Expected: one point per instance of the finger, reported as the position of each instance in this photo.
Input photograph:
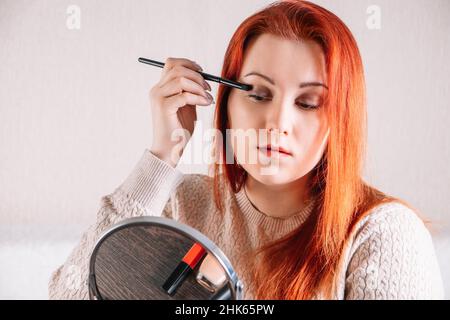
(186, 98)
(180, 84)
(182, 71)
(171, 62)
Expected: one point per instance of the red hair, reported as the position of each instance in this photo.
(305, 261)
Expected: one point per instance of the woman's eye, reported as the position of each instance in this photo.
(302, 105)
(308, 106)
(257, 98)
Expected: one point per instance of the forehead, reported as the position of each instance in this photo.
(285, 61)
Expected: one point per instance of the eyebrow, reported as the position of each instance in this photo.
(302, 85)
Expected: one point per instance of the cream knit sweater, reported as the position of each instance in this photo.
(390, 255)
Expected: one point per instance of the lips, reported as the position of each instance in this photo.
(269, 149)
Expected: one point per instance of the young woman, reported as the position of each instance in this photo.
(311, 230)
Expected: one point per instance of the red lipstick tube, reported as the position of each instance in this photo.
(186, 265)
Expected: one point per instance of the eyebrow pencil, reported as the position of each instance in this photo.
(206, 76)
(184, 268)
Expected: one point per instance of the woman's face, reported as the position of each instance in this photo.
(283, 109)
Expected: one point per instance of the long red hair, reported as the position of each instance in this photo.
(305, 261)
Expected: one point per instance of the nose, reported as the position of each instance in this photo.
(281, 131)
(280, 120)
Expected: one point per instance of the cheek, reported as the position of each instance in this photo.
(312, 135)
(241, 114)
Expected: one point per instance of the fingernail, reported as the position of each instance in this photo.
(206, 86)
(198, 67)
(208, 100)
(210, 97)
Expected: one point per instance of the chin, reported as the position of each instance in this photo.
(271, 177)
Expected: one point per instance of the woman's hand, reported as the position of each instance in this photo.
(173, 100)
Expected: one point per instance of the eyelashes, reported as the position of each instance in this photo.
(256, 97)
(302, 105)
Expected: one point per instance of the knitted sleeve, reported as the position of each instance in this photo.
(392, 257)
(146, 191)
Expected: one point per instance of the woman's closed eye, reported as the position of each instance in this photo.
(257, 97)
(264, 98)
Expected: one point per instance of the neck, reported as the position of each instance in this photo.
(290, 197)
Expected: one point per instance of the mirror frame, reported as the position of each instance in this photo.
(187, 231)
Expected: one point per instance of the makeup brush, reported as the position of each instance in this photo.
(206, 76)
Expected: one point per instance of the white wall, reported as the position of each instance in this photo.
(74, 113)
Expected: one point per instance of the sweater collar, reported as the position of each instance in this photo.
(271, 223)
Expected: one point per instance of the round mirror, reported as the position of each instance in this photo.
(156, 258)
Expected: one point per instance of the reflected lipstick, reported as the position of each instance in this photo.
(186, 265)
